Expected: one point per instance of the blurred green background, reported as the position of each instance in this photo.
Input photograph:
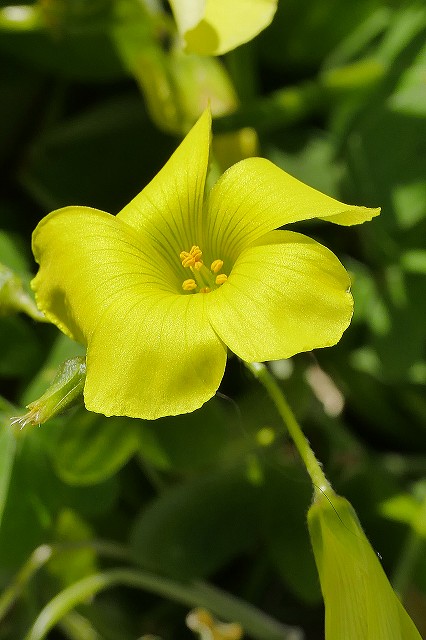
(94, 98)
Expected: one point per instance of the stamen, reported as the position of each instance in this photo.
(220, 279)
(196, 253)
(216, 265)
(191, 258)
(189, 285)
(187, 259)
(204, 280)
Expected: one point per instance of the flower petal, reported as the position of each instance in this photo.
(169, 209)
(89, 258)
(286, 295)
(153, 354)
(213, 27)
(187, 13)
(254, 197)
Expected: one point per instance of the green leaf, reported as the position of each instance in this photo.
(409, 202)
(407, 25)
(28, 509)
(194, 529)
(299, 40)
(410, 94)
(36, 495)
(406, 304)
(189, 441)
(409, 508)
(91, 448)
(314, 163)
(414, 261)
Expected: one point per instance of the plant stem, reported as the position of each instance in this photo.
(42, 555)
(257, 624)
(313, 467)
(76, 627)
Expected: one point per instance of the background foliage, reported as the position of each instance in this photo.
(336, 92)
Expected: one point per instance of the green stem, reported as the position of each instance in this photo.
(313, 467)
(257, 624)
(37, 559)
(42, 555)
(76, 627)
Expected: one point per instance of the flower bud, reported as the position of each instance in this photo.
(176, 86)
(359, 600)
(233, 146)
(65, 391)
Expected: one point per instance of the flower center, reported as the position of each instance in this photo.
(204, 280)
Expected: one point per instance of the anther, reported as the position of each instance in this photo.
(189, 285)
(187, 259)
(220, 279)
(216, 265)
(205, 290)
(196, 253)
(191, 258)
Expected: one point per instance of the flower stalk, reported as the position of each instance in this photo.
(313, 467)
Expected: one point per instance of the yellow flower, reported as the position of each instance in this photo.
(360, 604)
(213, 27)
(158, 292)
